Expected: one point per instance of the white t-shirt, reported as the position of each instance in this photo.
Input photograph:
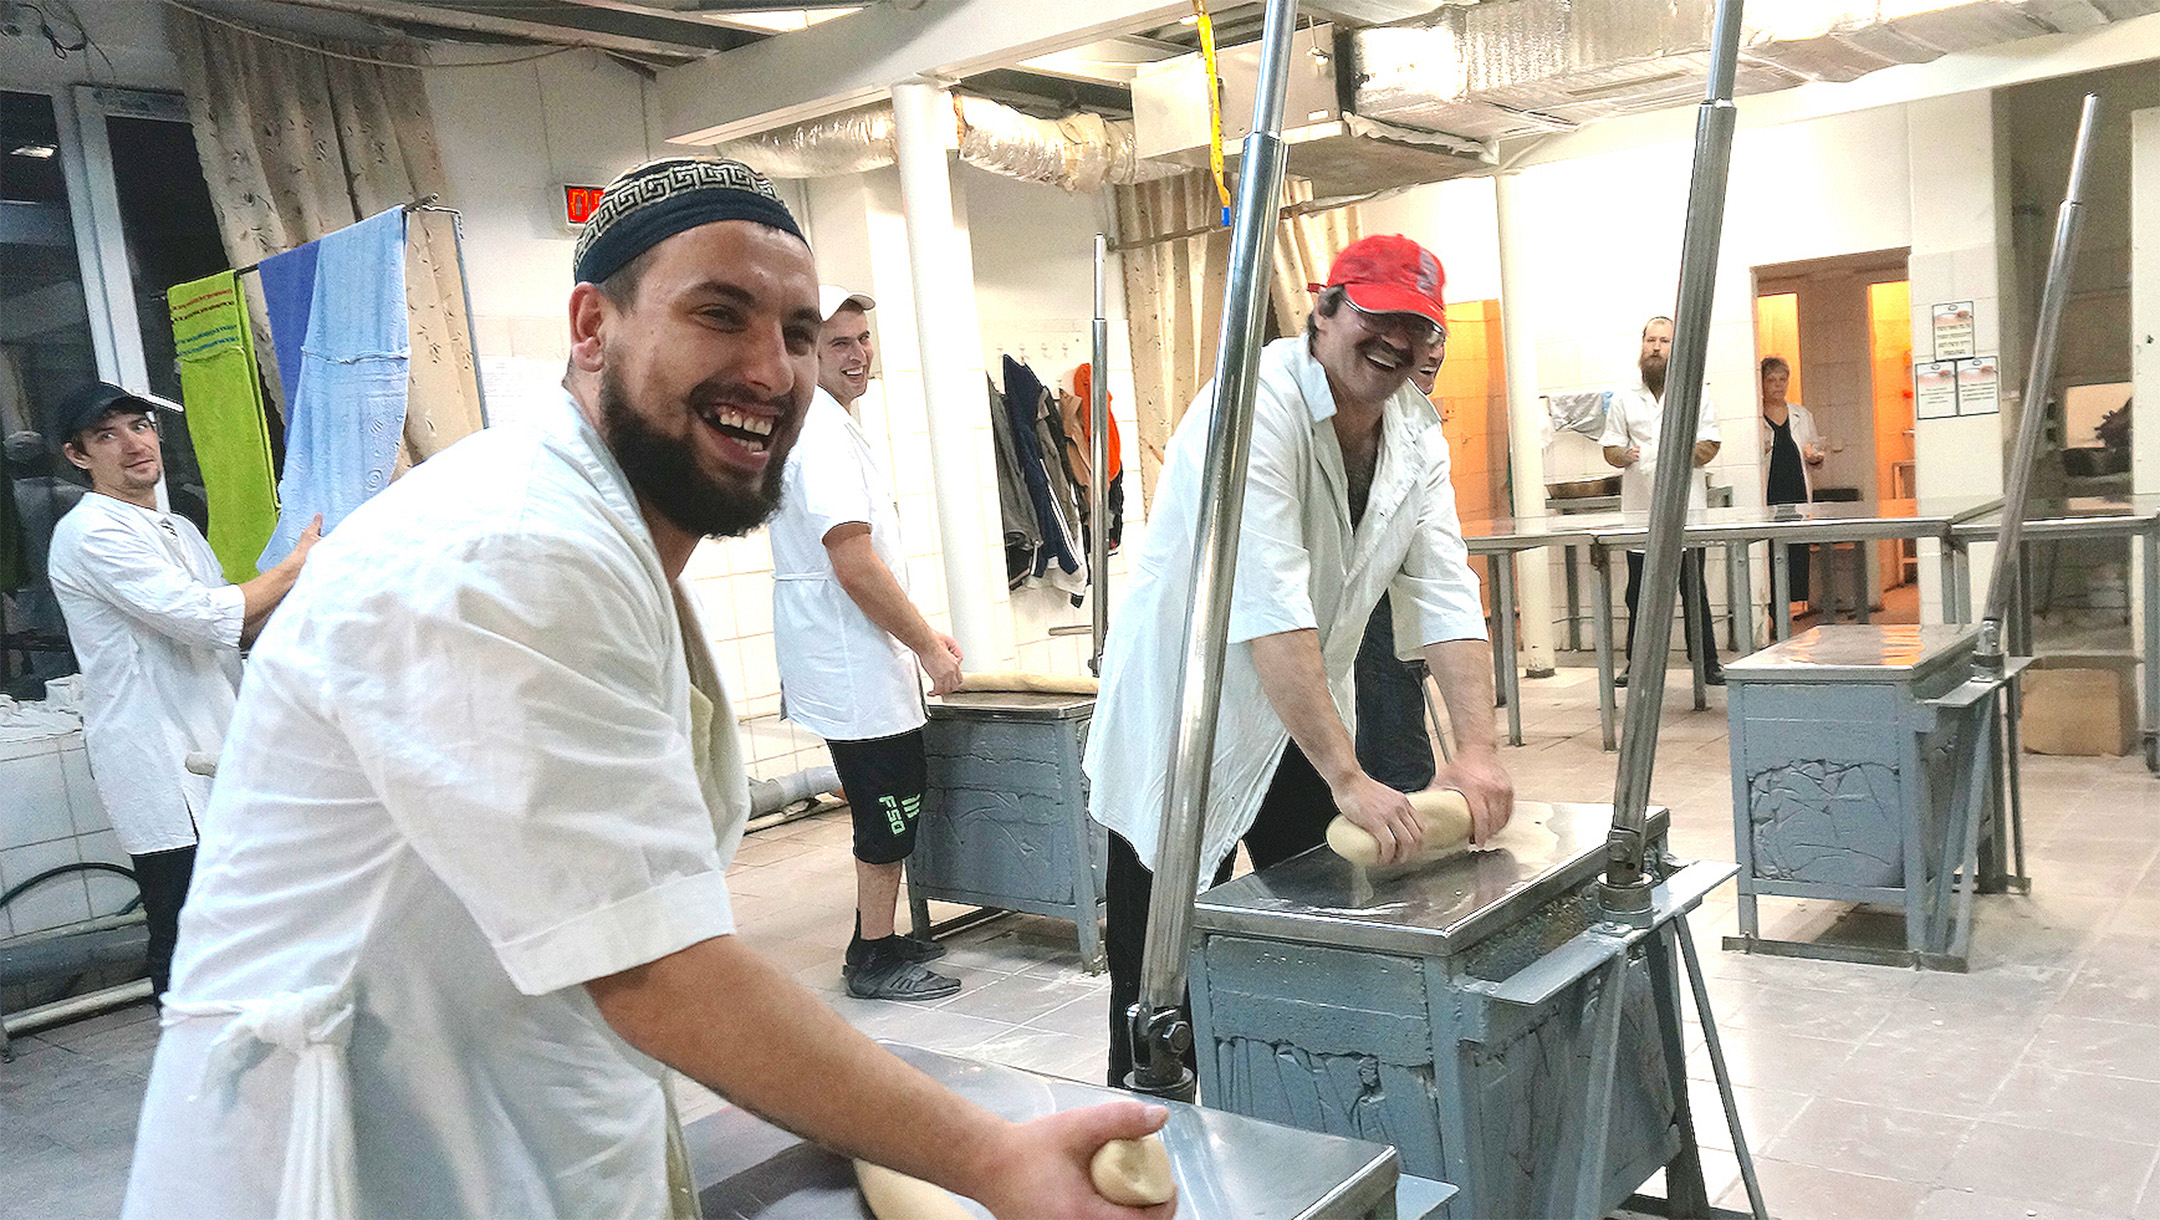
(841, 675)
(157, 630)
(1634, 416)
(459, 784)
(1300, 565)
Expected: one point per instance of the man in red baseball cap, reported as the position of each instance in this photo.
(1347, 498)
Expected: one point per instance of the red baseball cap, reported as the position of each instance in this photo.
(1390, 274)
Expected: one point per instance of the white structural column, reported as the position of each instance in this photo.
(922, 115)
(1526, 453)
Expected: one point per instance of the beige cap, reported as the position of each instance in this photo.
(833, 298)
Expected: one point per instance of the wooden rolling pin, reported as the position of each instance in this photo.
(1445, 814)
(1007, 681)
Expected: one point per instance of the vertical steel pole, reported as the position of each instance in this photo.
(1160, 1032)
(1626, 891)
(2039, 373)
(1099, 461)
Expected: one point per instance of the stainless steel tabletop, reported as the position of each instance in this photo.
(1010, 705)
(1843, 652)
(1441, 910)
(1228, 1167)
(2076, 516)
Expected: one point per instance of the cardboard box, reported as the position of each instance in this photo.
(2082, 704)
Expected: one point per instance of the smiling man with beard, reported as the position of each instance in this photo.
(1347, 497)
(1633, 419)
(460, 892)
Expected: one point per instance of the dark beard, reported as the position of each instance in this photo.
(663, 472)
(1653, 375)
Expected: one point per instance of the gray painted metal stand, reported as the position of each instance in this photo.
(1005, 824)
(1852, 782)
(1475, 1014)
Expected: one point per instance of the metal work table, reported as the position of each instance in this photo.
(2063, 520)
(1500, 539)
(1006, 825)
(1734, 529)
(1228, 1167)
(1443, 1011)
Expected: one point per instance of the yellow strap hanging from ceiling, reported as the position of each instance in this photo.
(1214, 105)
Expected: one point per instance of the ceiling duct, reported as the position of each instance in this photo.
(1340, 152)
(1520, 67)
(1079, 152)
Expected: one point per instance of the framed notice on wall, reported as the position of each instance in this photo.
(1978, 386)
(1953, 329)
(1935, 389)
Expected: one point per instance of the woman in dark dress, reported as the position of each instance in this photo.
(1791, 451)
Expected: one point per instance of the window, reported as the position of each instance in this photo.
(102, 208)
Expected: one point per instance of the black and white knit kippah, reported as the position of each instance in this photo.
(655, 201)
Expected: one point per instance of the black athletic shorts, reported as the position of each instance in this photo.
(884, 778)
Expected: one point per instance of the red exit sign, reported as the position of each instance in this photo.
(579, 202)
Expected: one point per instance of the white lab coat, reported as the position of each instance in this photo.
(157, 630)
(1300, 565)
(841, 675)
(1801, 422)
(460, 784)
(1634, 416)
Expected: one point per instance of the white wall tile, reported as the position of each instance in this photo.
(37, 805)
(84, 803)
(60, 901)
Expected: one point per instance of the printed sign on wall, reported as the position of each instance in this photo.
(1953, 329)
(1935, 389)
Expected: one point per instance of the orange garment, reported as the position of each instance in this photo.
(1083, 383)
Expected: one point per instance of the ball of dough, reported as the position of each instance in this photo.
(1133, 1173)
(1446, 817)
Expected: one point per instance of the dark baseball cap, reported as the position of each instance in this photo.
(91, 403)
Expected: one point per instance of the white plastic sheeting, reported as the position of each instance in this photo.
(1077, 153)
(1517, 67)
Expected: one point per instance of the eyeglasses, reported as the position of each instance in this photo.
(1417, 328)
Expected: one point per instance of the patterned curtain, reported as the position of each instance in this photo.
(1177, 263)
(1173, 300)
(1305, 243)
(296, 144)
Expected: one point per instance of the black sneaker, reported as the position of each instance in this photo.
(1620, 681)
(916, 948)
(1716, 677)
(889, 976)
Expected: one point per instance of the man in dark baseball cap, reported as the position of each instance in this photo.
(158, 631)
(1347, 496)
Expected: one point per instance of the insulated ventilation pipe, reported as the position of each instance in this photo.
(1077, 153)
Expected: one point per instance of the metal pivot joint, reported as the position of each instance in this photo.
(1158, 1064)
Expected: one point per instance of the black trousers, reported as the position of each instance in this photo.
(1293, 819)
(1797, 557)
(1392, 744)
(1694, 600)
(163, 878)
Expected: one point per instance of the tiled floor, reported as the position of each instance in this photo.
(2028, 1088)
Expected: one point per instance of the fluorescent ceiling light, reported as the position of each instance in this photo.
(780, 20)
(39, 151)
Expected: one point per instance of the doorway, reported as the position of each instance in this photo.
(1845, 326)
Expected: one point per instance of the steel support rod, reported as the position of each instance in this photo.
(2039, 374)
(1099, 461)
(1626, 890)
(1160, 1033)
